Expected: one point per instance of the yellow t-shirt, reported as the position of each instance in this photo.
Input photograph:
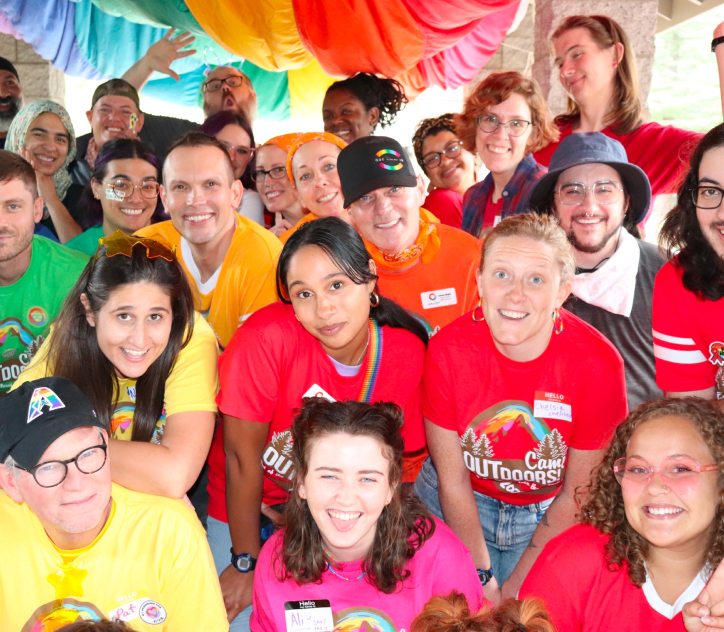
(151, 567)
(246, 280)
(192, 384)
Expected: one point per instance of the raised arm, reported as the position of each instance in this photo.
(719, 52)
(706, 614)
(159, 58)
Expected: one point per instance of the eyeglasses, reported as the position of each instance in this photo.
(275, 173)
(680, 474)
(53, 473)
(125, 188)
(604, 192)
(239, 151)
(515, 127)
(212, 85)
(121, 244)
(707, 196)
(434, 158)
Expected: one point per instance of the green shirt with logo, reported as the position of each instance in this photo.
(29, 305)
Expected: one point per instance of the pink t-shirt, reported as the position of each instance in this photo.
(441, 565)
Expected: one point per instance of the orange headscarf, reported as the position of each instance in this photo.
(308, 138)
(285, 141)
(427, 245)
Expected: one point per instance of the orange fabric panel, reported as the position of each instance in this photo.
(351, 36)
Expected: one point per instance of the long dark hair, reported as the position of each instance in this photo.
(74, 352)
(347, 250)
(703, 267)
(117, 149)
(216, 122)
(387, 95)
(404, 525)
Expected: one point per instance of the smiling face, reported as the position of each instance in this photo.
(456, 173)
(132, 327)
(114, 116)
(711, 221)
(520, 287)
(200, 193)
(241, 99)
(11, 98)
(19, 211)
(586, 71)
(48, 142)
(389, 217)
(347, 487)
(500, 151)
(591, 227)
(314, 167)
(239, 144)
(134, 211)
(79, 505)
(670, 520)
(327, 303)
(345, 116)
(277, 194)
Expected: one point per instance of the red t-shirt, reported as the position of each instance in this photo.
(572, 578)
(446, 205)
(688, 336)
(493, 211)
(663, 152)
(272, 362)
(516, 420)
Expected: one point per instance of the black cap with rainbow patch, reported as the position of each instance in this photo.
(373, 162)
(39, 412)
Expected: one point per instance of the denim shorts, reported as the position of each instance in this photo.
(507, 528)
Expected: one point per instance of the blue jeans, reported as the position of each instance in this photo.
(507, 528)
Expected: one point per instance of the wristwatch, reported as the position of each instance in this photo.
(715, 42)
(485, 575)
(243, 562)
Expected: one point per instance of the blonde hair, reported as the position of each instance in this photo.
(541, 228)
(627, 110)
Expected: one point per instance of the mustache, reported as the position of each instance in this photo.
(9, 100)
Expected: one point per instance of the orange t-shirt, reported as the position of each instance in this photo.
(441, 290)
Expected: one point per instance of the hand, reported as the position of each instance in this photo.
(280, 225)
(236, 590)
(510, 588)
(278, 518)
(165, 51)
(706, 613)
(492, 592)
(46, 184)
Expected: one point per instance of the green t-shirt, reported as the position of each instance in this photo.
(28, 305)
(87, 242)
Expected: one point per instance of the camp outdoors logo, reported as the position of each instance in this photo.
(277, 459)
(389, 159)
(17, 347)
(540, 468)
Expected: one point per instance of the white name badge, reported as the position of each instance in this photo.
(127, 612)
(552, 406)
(309, 616)
(318, 391)
(439, 298)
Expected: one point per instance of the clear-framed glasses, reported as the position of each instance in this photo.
(680, 474)
(53, 473)
(515, 127)
(604, 192)
(240, 151)
(707, 196)
(275, 173)
(212, 85)
(124, 188)
(434, 158)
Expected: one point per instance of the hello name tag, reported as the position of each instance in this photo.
(318, 391)
(552, 406)
(309, 616)
(439, 298)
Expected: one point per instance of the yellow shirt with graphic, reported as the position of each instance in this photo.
(246, 280)
(192, 384)
(150, 567)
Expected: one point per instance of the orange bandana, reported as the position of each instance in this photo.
(426, 245)
(308, 138)
(285, 141)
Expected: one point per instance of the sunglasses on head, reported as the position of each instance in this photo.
(121, 244)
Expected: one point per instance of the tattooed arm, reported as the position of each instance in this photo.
(560, 515)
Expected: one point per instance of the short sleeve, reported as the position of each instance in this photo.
(194, 381)
(265, 583)
(438, 404)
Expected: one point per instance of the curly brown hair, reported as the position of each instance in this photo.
(605, 508)
(452, 614)
(495, 89)
(405, 523)
(431, 127)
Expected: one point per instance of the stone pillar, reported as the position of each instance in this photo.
(38, 77)
(637, 17)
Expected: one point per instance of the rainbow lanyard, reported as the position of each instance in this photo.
(373, 365)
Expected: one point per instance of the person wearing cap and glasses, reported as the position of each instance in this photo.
(428, 268)
(75, 545)
(598, 198)
(11, 97)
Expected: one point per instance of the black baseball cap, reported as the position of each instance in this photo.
(117, 87)
(373, 162)
(39, 412)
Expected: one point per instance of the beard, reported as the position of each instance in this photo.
(6, 117)
(598, 246)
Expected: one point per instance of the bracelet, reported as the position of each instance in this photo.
(715, 42)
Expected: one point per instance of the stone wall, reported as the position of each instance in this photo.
(37, 76)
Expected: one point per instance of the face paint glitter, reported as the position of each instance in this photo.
(112, 195)
(134, 120)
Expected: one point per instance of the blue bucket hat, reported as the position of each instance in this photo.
(589, 147)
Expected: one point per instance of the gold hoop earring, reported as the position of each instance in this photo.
(374, 299)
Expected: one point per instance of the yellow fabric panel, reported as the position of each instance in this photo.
(262, 31)
(307, 87)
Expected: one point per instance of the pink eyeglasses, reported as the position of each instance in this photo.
(680, 474)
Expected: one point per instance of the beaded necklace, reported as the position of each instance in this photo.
(330, 568)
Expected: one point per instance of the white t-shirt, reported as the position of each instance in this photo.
(252, 207)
